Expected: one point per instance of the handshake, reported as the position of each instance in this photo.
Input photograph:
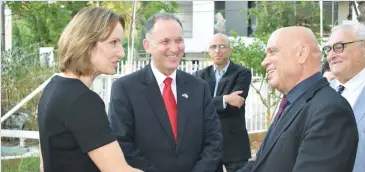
(234, 99)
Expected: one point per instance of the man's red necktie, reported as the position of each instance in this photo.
(170, 104)
(284, 102)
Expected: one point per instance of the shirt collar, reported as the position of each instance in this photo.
(354, 82)
(302, 87)
(223, 71)
(160, 77)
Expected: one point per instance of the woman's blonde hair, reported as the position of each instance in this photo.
(85, 30)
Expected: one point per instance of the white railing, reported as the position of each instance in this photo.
(255, 110)
(26, 99)
(22, 134)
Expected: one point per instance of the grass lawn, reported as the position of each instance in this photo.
(20, 165)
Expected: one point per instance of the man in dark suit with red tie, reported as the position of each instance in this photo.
(315, 128)
(164, 118)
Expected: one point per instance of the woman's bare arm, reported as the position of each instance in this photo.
(110, 158)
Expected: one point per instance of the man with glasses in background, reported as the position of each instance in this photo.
(229, 84)
(346, 57)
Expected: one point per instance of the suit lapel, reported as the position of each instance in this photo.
(153, 94)
(210, 78)
(288, 116)
(221, 84)
(284, 122)
(359, 109)
(182, 95)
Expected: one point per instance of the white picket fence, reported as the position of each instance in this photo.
(255, 110)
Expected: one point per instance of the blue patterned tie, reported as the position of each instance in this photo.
(340, 89)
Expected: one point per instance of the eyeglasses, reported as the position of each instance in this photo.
(220, 47)
(337, 47)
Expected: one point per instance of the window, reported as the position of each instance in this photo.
(330, 13)
(219, 16)
(252, 20)
(185, 14)
(234, 18)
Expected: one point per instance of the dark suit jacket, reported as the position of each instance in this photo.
(236, 145)
(139, 120)
(318, 133)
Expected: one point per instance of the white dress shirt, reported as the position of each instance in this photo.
(353, 87)
(160, 78)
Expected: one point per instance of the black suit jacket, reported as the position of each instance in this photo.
(139, 120)
(236, 145)
(318, 133)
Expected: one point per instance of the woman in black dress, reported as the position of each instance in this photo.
(73, 125)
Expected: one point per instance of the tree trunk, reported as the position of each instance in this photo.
(268, 109)
(132, 27)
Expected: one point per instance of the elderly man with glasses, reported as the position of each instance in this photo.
(346, 57)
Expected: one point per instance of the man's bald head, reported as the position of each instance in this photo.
(219, 36)
(301, 41)
(294, 36)
(292, 55)
(219, 50)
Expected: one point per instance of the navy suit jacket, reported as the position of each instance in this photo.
(236, 145)
(317, 133)
(140, 121)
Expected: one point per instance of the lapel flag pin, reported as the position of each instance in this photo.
(185, 95)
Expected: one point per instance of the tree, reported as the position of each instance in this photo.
(21, 73)
(145, 9)
(271, 16)
(35, 25)
(42, 22)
